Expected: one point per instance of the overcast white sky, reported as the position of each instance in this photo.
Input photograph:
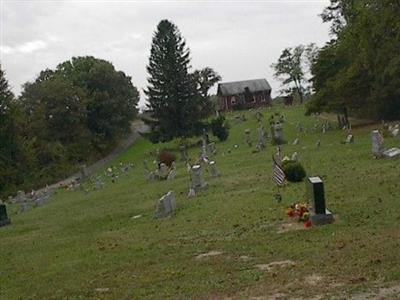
(238, 39)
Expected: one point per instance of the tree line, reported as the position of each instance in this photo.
(67, 117)
(358, 70)
(77, 112)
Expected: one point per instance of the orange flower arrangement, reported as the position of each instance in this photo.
(300, 212)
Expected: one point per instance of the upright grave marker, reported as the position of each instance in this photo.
(259, 116)
(172, 172)
(261, 138)
(166, 205)
(277, 129)
(316, 193)
(211, 149)
(350, 139)
(378, 146)
(184, 153)
(4, 220)
(248, 137)
(197, 176)
(163, 171)
(149, 174)
(213, 169)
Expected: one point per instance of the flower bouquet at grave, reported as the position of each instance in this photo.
(299, 212)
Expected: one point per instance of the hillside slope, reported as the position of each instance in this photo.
(88, 246)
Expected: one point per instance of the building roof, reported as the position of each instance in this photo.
(238, 87)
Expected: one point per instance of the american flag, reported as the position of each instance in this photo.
(279, 175)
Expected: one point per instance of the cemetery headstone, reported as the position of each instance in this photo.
(83, 172)
(392, 152)
(259, 116)
(300, 127)
(377, 143)
(277, 134)
(206, 138)
(183, 152)
(163, 171)
(172, 172)
(203, 153)
(316, 194)
(197, 176)
(248, 137)
(192, 193)
(166, 205)
(149, 174)
(295, 156)
(394, 130)
(4, 220)
(213, 169)
(211, 149)
(315, 127)
(350, 139)
(99, 184)
(261, 138)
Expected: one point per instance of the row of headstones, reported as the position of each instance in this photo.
(88, 183)
(167, 204)
(277, 137)
(394, 130)
(324, 127)
(163, 172)
(31, 200)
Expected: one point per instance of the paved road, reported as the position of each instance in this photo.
(137, 129)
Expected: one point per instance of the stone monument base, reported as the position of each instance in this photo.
(5, 222)
(322, 219)
(200, 187)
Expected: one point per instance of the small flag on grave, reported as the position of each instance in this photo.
(279, 175)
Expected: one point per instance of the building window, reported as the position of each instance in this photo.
(233, 100)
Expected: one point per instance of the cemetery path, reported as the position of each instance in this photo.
(137, 128)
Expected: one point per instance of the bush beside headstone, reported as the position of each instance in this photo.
(293, 170)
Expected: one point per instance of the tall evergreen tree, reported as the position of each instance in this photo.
(173, 100)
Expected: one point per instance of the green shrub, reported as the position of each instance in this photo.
(294, 171)
(219, 128)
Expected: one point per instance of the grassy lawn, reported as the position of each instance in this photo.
(88, 246)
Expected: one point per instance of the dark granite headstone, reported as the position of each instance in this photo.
(4, 220)
(315, 192)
